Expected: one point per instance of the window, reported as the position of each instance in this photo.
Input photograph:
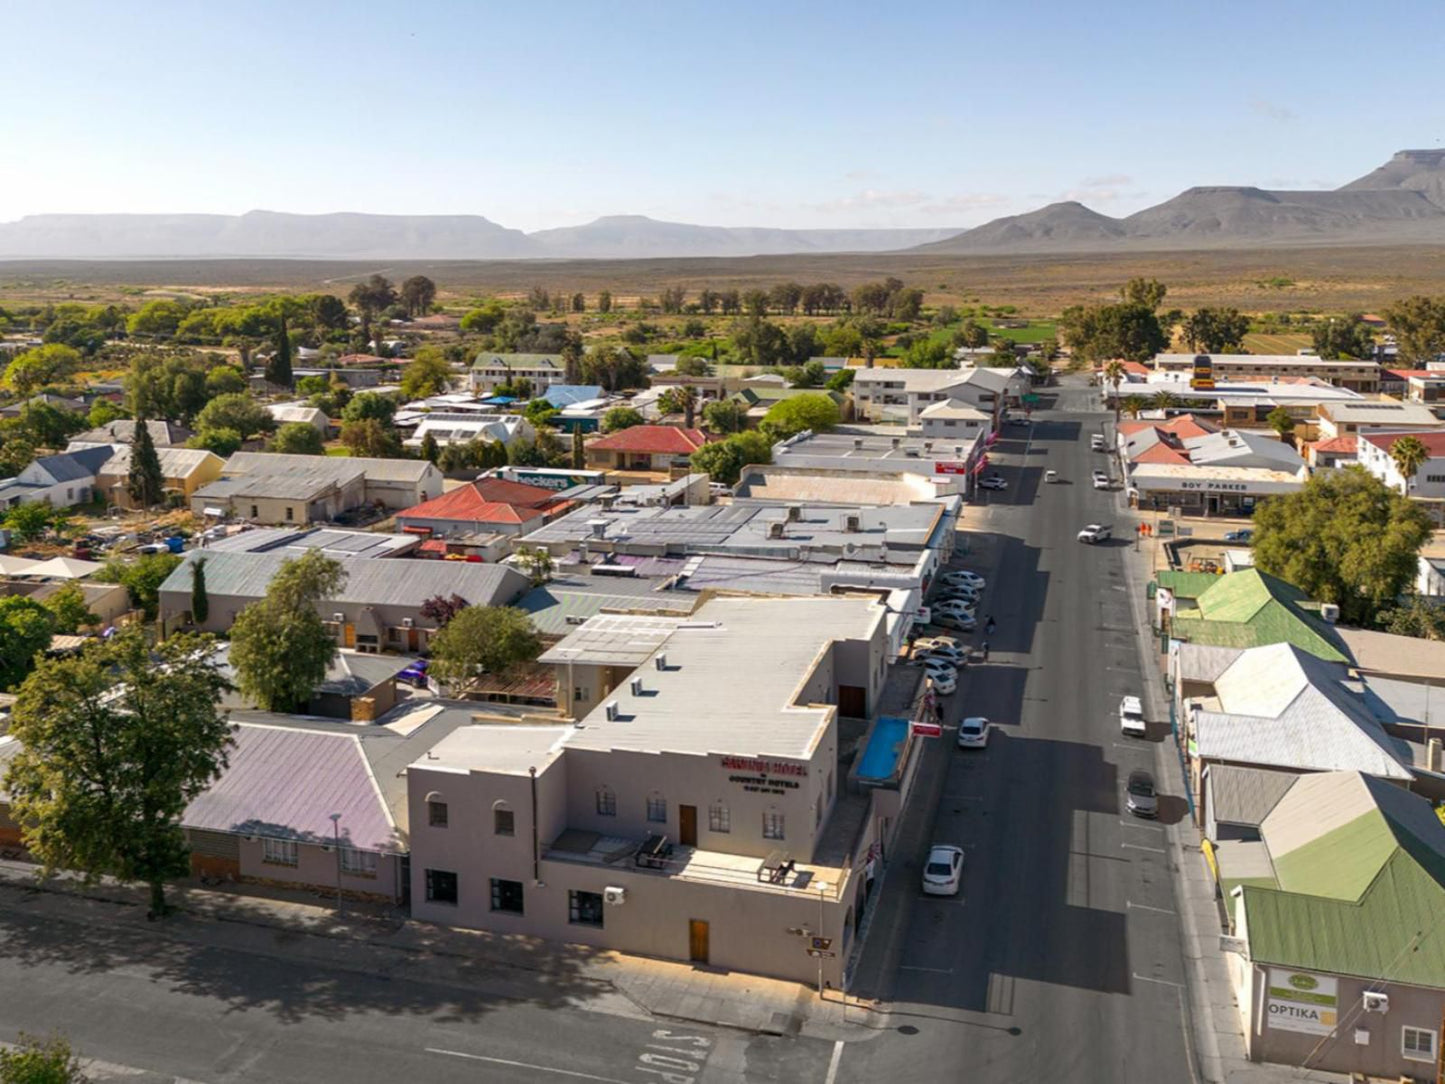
(358, 863)
(279, 852)
(773, 825)
(290, 514)
(657, 809)
(584, 908)
(504, 822)
(1436, 478)
(436, 814)
(254, 513)
(580, 692)
(606, 802)
(507, 896)
(1417, 1044)
(719, 818)
(441, 886)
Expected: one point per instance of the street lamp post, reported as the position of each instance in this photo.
(336, 836)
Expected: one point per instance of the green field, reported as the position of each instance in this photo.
(1289, 342)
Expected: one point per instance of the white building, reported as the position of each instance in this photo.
(1429, 481)
(60, 480)
(294, 413)
(903, 394)
(490, 371)
(464, 428)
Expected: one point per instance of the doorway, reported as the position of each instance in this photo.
(687, 825)
(853, 701)
(697, 940)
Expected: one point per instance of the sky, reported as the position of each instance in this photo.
(933, 113)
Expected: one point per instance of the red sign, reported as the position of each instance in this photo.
(949, 466)
(927, 730)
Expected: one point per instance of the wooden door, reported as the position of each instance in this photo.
(348, 636)
(697, 940)
(687, 825)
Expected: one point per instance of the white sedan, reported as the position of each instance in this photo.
(973, 732)
(942, 683)
(951, 655)
(993, 481)
(964, 576)
(943, 872)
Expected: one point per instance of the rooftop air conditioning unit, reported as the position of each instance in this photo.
(958, 449)
(852, 524)
(338, 618)
(408, 622)
(795, 513)
(1329, 612)
(660, 662)
(611, 710)
(1375, 1001)
(896, 442)
(775, 530)
(928, 445)
(614, 895)
(637, 687)
(575, 619)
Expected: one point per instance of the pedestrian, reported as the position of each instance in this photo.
(989, 626)
(985, 651)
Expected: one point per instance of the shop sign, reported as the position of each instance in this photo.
(764, 776)
(1299, 1001)
(1231, 487)
(949, 466)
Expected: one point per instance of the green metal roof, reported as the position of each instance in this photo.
(1252, 609)
(1187, 584)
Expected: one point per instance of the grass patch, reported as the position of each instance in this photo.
(1288, 342)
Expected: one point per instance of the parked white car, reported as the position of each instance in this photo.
(964, 576)
(963, 622)
(951, 655)
(993, 481)
(973, 732)
(943, 684)
(1131, 717)
(943, 872)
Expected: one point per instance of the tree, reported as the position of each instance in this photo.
(724, 460)
(69, 609)
(417, 295)
(604, 301)
(1280, 421)
(483, 639)
(25, 629)
(142, 578)
(239, 412)
(103, 412)
(1134, 405)
(28, 521)
(810, 411)
(371, 439)
(680, 399)
(225, 380)
(1416, 618)
(1216, 330)
(278, 366)
(34, 1060)
(224, 442)
(621, 417)
(1130, 331)
(972, 334)
(297, 438)
(1114, 376)
(1165, 400)
(430, 451)
(579, 302)
(1141, 291)
(536, 562)
(725, 416)
(372, 297)
(370, 405)
(1348, 337)
(1344, 538)
(579, 449)
(1419, 327)
(280, 647)
(145, 481)
(42, 365)
(114, 744)
(1410, 454)
(200, 600)
(841, 381)
(439, 609)
(429, 373)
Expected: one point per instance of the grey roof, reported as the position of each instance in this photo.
(122, 431)
(175, 462)
(559, 606)
(613, 640)
(296, 485)
(1205, 662)
(508, 748)
(77, 465)
(399, 582)
(1245, 795)
(355, 673)
(744, 659)
(1408, 702)
(338, 467)
(333, 543)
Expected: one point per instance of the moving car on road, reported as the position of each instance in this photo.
(973, 732)
(1101, 480)
(1143, 799)
(993, 481)
(1095, 533)
(1131, 717)
(415, 674)
(1244, 534)
(1096, 442)
(943, 872)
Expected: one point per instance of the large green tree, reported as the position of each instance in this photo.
(145, 482)
(1346, 337)
(1419, 327)
(25, 629)
(417, 294)
(621, 417)
(429, 373)
(42, 365)
(68, 606)
(724, 460)
(142, 578)
(483, 639)
(36, 1060)
(239, 412)
(28, 521)
(1409, 454)
(813, 411)
(725, 415)
(297, 438)
(1345, 538)
(280, 647)
(1216, 330)
(114, 743)
(278, 366)
(200, 598)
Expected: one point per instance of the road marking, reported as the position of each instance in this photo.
(525, 1065)
(1134, 747)
(1146, 907)
(1161, 982)
(833, 1062)
(1138, 847)
(1146, 827)
(930, 970)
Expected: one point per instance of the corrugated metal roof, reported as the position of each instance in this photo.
(557, 608)
(1245, 795)
(1253, 609)
(335, 467)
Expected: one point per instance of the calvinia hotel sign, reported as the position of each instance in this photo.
(1299, 1001)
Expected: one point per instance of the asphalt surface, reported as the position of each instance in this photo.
(1060, 959)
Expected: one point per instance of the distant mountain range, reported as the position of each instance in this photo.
(1402, 202)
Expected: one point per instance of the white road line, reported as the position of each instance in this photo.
(525, 1065)
(1138, 847)
(1141, 824)
(1161, 982)
(833, 1062)
(1134, 747)
(1146, 907)
(930, 970)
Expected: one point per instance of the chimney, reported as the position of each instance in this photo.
(775, 530)
(795, 513)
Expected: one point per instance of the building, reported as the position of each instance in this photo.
(1338, 958)
(1343, 419)
(951, 465)
(758, 399)
(183, 472)
(687, 817)
(122, 431)
(954, 419)
(300, 414)
(1361, 376)
(59, 402)
(1332, 452)
(1428, 482)
(1209, 491)
(903, 394)
(378, 609)
(62, 480)
(1430, 582)
(293, 542)
(270, 488)
(486, 506)
(541, 371)
(109, 602)
(459, 428)
(1244, 609)
(645, 448)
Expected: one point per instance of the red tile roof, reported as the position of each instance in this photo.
(1137, 367)
(1160, 453)
(1185, 426)
(359, 359)
(1406, 374)
(1346, 445)
(652, 440)
(1433, 439)
(489, 500)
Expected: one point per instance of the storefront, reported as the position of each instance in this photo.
(1208, 491)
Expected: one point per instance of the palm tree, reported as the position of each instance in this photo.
(1163, 400)
(1114, 375)
(1409, 454)
(1134, 404)
(685, 398)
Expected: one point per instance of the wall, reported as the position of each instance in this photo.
(317, 869)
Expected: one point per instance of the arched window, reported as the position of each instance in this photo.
(606, 801)
(719, 817)
(504, 821)
(436, 809)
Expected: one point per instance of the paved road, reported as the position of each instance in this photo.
(180, 1011)
(1060, 960)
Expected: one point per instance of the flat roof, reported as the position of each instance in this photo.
(1167, 472)
(509, 749)
(1312, 360)
(732, 681)
(332, 542)
(1385, 413)
(613, 640)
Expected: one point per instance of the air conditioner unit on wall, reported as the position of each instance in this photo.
(408, 622)
(1374, 1001)
(614, 896)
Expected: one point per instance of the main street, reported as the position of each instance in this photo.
(1060, 959)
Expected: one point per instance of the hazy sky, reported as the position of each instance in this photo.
(775, 114)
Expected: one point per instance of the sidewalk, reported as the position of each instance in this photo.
(514, 968)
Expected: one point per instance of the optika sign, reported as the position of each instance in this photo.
(764, 767)
(1299, 1001)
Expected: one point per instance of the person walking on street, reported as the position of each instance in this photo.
(989, 626)
(985, 651)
